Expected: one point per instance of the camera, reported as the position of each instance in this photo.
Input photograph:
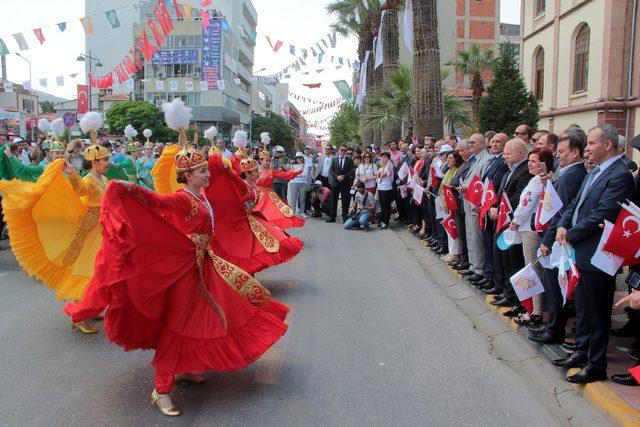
(633, 280)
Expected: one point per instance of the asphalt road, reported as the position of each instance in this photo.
(373, 340)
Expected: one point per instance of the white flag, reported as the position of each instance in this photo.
(221, 84)
(60, 80)
(605, 261)
(204, 85)
(551, 204)
(439, 208)
(189, 85)
(43, 82)
(378, 44)
(408, 26)
(404, 171)
(526, 283)
(159, 85)
(418, 192)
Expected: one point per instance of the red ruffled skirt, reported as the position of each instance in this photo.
(272, 213)
(156, 297)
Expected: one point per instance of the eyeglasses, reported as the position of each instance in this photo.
(343, 149)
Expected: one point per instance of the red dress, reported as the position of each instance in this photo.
(270, 205)
(245, 239)
(164, 289)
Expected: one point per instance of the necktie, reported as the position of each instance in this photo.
(341, 162)
(583, 195)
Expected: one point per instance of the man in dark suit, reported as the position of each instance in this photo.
(570, 177)
(507, 263)
(341, 176)
(580, 225)
(495, 172)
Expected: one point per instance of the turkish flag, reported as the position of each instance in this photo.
(449, 198)
(474, 192)
(624, 240)
(449, 224)
(435, 180)
(574, 279)
(312, 85)
(176, 7)
(83, 99)
(489, 197)
(503, 213)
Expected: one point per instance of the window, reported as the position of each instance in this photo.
(538, 75)
(540, 5)
(27, 105)
(581, 60)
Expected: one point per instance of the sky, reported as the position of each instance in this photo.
(301, 23)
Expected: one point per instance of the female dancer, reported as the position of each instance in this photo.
(270, 205)
(55, 233)
(146, 162)
(128, 162)
(198, 312)
(243, 236)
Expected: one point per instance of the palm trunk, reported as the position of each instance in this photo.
(391, 53)
(477, 89)
(365, 43)
(427, 90)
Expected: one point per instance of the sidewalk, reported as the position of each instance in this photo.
(621, 404)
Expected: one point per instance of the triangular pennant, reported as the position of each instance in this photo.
(60, 80)
(206, 19)
(176, 8)
(292, 49)
(43, 82)
(86, 24)
(112, 16)
(157, 35)
(187, 11)
(333, 38)
(277, 46)
(62, 26)
(39, 35)
(145, 46)
(22, 42)
(269, 41)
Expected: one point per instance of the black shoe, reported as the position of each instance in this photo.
(331, 220)
(441, 251)
(474, 278)
(568, 346)
(573, 361)
(546, 338)
(587, 375)
(625, 331)
(634, 355)
(502, 302)
(492, 291)
(625, 379)
(460, 267)
(467, 272)
(483, 282)
(540, 329)
(514, 311)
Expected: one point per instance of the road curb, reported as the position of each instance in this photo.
(598, 394)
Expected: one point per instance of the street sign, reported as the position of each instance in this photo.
(69, 119)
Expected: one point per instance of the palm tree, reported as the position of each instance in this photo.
(391, 53)
(427, 88)
(473, 62)
(390, 106)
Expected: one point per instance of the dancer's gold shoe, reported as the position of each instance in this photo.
(84, 328)
(164, 403)
(189, 378)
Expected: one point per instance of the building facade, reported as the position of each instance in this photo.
(19, 111)
(581, 60)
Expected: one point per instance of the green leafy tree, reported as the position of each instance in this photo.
(279, 131)
(509, 103)
(390, 106)
(344, 127)
(46, 107)
(473, 62)
(141, 115)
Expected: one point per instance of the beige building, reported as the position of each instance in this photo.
(581, 60)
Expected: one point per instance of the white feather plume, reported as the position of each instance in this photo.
(265, 138)
(44, 125)
(240, 139)
(176, 114)
(147, 133)
(130, 132)
(57, 128)
(211, 133)
(91, 121)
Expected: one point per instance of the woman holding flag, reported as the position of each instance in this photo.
(454, 160)
(540, 161)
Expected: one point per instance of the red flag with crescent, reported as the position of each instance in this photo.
(474, 193)
(449, 224)
(83, 99)
(449, 198)
(503, 213)
(489, 199)
(624, 240)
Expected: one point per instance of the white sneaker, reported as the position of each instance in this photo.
(304, 215)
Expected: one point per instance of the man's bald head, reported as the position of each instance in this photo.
(515, 151)
(496, 145)
(476, 143)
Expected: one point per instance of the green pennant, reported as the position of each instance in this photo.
(112, 16)
(3, 48)
(344, 89)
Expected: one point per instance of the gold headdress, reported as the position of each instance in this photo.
(91, 122)
(248, 164)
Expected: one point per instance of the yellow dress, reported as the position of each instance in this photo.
(54, 227)
(165, 176)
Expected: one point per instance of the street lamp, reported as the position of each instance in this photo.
(36, 106)
(29, 62)
(82, 58)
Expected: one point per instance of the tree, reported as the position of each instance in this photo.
(279, 131)
(46, 107)
(473, 62)
(427, 88)
(141, 115)
(390, 106)
(391, 53)
(509, 103)
(344, 127)
(454, 109)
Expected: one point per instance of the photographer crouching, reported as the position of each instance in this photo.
(362, 209)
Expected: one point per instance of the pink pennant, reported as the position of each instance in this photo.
(39, 35)
(205, 19)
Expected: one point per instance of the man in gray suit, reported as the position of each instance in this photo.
(478, 163)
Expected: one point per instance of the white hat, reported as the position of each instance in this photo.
(16, 140)
(280, 149)
(318, 183)
(299, 154)
(446, 148)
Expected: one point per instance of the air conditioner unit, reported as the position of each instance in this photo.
(196, 75)
(159, 102)
(161, 75)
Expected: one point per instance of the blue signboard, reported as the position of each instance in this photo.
(171, 57)
(211, 53)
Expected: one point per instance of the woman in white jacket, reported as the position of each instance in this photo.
(299, 185)
(540, 162)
